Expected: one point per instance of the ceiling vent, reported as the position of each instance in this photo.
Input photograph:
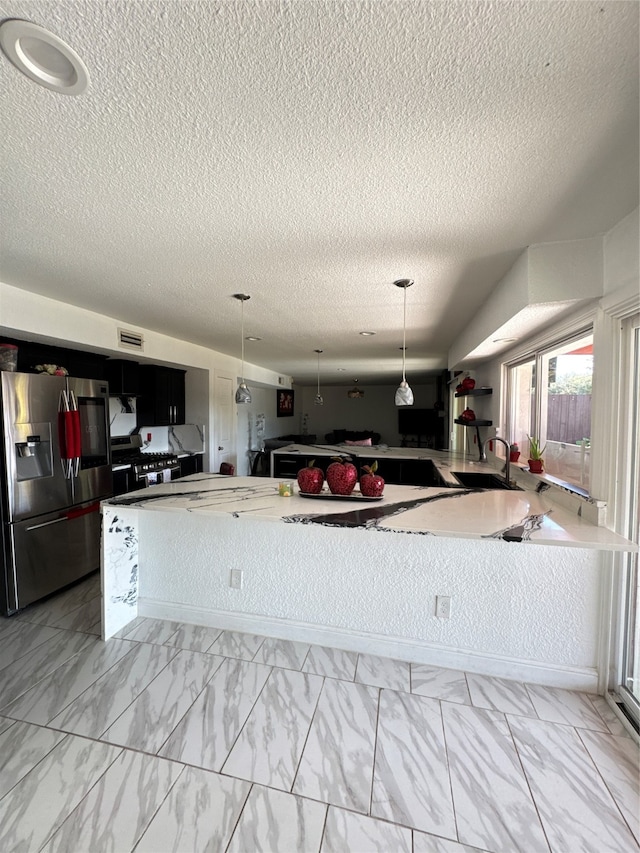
(130, 340)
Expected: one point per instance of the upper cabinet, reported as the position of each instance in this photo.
(123, 377)
(162, 399)
(84, 365)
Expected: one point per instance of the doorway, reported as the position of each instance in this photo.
(224, 448)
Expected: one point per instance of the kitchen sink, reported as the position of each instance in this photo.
(482, 480)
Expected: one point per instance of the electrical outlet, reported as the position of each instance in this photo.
(443, 606)
(237, 576)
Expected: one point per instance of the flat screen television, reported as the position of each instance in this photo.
(416, 421)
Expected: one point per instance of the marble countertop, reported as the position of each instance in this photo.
(517, 516)
(378, 451)
(446, 462)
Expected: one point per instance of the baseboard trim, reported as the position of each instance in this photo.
(400, 648)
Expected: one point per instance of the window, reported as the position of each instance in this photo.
(549, 396)
(522, 379)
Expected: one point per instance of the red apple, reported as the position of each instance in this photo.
(342, 475)
(371, 484)
(310, 479)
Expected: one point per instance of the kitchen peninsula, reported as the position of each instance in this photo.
(523, 573)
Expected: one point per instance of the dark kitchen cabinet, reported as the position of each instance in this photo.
(404, 472)
(190, 464)
(162, 400)
(401, 472)
(84, 365)
(286, 465)
(123, 377)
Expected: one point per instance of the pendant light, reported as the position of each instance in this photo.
(355, 393)
(404, 394)
(318, 401)
(243, 395)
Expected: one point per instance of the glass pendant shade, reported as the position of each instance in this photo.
(243, 395)
(318, 399)
(404, 394)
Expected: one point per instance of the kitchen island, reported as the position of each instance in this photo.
(524, 574)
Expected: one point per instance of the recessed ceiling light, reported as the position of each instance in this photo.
(341, 369)
(366, 334)
(43, 57)
(503, 340)
(251, 338)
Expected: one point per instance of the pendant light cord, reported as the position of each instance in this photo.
(404, 335)
(242, 334)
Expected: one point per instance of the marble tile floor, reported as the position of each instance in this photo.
(177, 737)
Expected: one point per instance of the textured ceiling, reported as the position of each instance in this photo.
(309, 153)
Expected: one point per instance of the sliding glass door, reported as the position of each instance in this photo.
(629, 654)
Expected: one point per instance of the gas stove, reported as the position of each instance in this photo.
(127, 450)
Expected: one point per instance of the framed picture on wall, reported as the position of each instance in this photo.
(284, 404)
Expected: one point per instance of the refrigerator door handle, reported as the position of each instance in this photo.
(75, 451)
(63, 435)
(46, 523)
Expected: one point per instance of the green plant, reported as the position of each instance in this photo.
(535, 451)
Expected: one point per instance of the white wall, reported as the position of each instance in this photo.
(375, 411)
(564, 275)
(263, 402)
(519, 610)
(617, 265)
(622, 254)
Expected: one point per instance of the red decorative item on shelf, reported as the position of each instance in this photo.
(468, 384)
(535, 466)
(468, 415)
(459, 389)
(514, 452)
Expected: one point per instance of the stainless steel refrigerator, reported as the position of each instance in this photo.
(56, 467)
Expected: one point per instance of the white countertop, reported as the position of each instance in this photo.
(565, 494)
(379, 451)
(455, 513)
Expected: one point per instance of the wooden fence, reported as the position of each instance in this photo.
(568, 417)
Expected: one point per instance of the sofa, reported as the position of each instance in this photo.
(342, 436)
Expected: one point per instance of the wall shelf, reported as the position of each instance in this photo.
(475, 392)
(476, 423)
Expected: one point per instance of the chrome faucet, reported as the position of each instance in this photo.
(507, 467)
